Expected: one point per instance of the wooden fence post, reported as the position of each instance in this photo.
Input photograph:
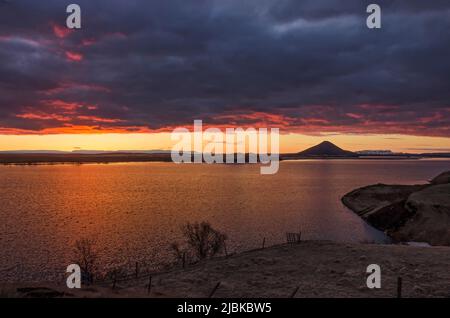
(264, 243)
(149, 287)
(114, 281)
(295, 292)
(399, 287)
(225, 248)
(214, 290)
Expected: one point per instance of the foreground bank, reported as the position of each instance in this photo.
(419, 213)
(307, 269)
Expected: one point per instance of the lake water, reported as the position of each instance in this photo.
(134, 210)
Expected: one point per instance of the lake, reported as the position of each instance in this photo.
(134, 211)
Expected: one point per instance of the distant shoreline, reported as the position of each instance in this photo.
(104, 158)
(34, 159)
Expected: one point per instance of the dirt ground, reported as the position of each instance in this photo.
(317, 269)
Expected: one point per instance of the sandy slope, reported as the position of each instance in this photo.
(320, 269)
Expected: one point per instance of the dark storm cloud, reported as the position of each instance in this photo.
(306, 66)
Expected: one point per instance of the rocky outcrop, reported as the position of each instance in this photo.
(418, 213)
(443, 178)
(430, 221)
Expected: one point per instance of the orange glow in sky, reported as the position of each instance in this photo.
(288, 142)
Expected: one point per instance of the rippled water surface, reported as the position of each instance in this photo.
(134, 211)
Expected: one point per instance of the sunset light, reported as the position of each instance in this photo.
(224, 157)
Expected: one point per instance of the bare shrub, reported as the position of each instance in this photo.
(201, 241)
(178, 251)
(85, 256)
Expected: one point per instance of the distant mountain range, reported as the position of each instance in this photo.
(326, 149)
(85, 152)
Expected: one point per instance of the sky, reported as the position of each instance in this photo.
(138, 69)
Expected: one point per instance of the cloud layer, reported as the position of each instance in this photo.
(304, 66)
